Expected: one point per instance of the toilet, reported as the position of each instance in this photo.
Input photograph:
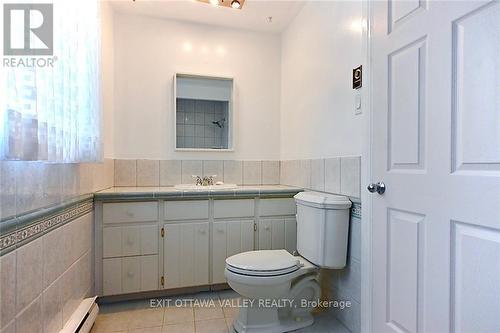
(279, 289)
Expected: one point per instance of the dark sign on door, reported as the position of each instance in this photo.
(357, 77)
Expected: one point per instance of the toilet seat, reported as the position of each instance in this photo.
(263, 263)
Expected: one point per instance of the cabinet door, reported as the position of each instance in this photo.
(130, 240)
(291, 234)
(186, 254)
(131, 274)
(229, 238)
(112, 276)
(149, 273)
(278, 233)
(219, 250)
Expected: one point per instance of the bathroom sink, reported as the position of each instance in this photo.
(193, 187)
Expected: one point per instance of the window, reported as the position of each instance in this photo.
(52, 113)
(203, 112)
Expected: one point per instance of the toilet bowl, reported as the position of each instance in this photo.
(280, 288)
(276, 286)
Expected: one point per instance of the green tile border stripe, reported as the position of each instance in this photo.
(25, 228)
(356, 210)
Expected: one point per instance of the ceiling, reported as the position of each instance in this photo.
(253, 16)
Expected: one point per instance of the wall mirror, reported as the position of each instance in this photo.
(203, 112)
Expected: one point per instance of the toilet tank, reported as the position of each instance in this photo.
(323, 228)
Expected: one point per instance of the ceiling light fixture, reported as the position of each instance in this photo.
(235, 4)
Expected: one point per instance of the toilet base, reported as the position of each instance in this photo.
(269, 321)
(259, 319)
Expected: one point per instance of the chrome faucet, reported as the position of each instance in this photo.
(199, 181)
(205, 181)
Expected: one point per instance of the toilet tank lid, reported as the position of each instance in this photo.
(322, 200)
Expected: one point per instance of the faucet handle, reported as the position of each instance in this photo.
(197, 179)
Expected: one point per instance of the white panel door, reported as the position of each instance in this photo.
(186, 254)
(278, 233)
(229, 238)
(436, 146)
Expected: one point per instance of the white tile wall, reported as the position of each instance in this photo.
(190, 168)
(148, 173)
(332, 175)
(270, 172)
(350, 172)
(170, 173)
(33, 298)
(233, 172)
(318, 175)
(211, 168)
(339, 175)
(252, 172)
(125, 172)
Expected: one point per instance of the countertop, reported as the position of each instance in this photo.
(169, 192)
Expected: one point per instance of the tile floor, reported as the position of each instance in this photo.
(207, 312)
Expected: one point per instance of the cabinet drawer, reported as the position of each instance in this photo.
(125, 212)
(131, 274)
(130, 241)
(234, 208)
(273, 207)
(186, 210)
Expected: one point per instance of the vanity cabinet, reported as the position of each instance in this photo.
(186, 256)
(278, 233)
(160, 244)
(129, 247)
(229, 238)
(277, 226)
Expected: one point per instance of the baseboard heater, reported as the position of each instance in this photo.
(83, 318)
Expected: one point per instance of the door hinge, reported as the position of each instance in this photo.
(255, 227)
(162, 281)
(162, 232)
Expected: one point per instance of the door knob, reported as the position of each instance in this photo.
(379, 188)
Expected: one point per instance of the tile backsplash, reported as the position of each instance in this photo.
(339, 175)
(174, 172)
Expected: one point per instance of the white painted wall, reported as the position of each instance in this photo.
(320, 48)
(107, 78)
(149, 51)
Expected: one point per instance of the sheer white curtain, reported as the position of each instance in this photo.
(53, 113)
